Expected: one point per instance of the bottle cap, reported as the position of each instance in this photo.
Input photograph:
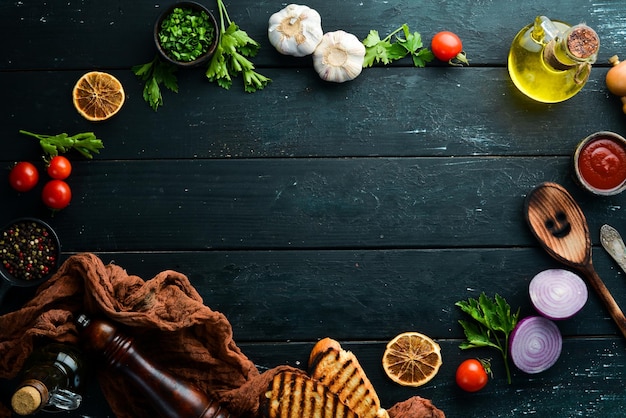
(26, 400)
(583, 42)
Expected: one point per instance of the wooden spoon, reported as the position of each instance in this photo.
(559, 224)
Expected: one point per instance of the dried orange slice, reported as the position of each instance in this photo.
(412, 359)
(98, 96)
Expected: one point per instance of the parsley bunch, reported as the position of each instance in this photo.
(394, 47)
(492, 325)
(231, 56)
(85, 143)
(155, 73)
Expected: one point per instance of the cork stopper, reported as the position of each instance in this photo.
(26, 400)
(583, 42)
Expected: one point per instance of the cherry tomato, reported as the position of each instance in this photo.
(59, 167)
(471, 375)
(23, 176)
(447, 46)
(56, 194)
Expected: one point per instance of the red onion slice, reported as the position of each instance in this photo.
(557, 294)
(535, 344)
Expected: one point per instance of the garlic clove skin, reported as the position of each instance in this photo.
(295, 30)
(339, 57)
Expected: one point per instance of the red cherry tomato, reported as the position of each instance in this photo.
(471, 375)
(59, 167)
(447, 46)
(56, 194)
(23, 176)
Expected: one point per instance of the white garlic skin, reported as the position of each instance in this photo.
(295, 30)
(339, 57)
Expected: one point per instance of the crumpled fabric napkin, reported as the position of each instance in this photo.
(173, 329)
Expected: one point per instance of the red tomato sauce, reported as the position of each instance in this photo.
(602, 163)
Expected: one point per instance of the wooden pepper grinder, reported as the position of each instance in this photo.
(172, 397)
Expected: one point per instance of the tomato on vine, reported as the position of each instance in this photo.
(23, 176)
(473, 374)
(447, 46)
(56, 194)
(59, 167)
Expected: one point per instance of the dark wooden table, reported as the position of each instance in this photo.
(356, 211)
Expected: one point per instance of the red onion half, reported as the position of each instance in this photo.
(535, 344)
(557, 294)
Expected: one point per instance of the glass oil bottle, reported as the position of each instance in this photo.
(550, 61)
(51, 380)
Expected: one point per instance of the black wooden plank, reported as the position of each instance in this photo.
(366, 295)
(64, 35)
(360, 295)
(304, 203)
(404, 112)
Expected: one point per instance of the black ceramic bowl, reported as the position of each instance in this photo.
(196, 7)
(29, 253)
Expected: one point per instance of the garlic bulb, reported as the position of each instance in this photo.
(339, 57)
(295, 30)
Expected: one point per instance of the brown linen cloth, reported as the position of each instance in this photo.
(170, 325)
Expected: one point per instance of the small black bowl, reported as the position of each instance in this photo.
(42, 244)
(204, 58)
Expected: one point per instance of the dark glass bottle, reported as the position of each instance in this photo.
(51, 380)
(171, 397)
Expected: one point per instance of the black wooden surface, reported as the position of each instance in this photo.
(355, 211)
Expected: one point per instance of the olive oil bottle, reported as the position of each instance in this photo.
(550, 61)
(51, 380)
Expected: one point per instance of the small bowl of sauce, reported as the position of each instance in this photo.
(600, 163)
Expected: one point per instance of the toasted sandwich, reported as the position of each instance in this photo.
(340, 371)
(296, 395)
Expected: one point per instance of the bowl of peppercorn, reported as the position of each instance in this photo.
(29, 251)
(186, 34)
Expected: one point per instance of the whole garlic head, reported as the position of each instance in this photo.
(295, 30)
(339, 57)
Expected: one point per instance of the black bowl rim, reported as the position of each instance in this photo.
(14, 281)
(203, 58)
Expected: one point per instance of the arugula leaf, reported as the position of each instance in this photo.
(230, 59)
(386, 50)
(492, 325)
(155, 73)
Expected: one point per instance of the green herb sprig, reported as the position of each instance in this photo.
(85, 143)
(493, 322)
(185, 34)
(231, 56)
(394, 47)
(156, 73)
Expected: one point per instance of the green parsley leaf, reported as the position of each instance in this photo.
(493, 322)
(230, 59)
(394, 47)
(85, 143)
(155, 73)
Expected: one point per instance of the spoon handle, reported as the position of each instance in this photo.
(614, 245)
(607, 299)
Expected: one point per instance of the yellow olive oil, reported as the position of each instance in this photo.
(547, 76)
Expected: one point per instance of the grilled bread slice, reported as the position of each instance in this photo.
(296, 395)
(341, 372)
